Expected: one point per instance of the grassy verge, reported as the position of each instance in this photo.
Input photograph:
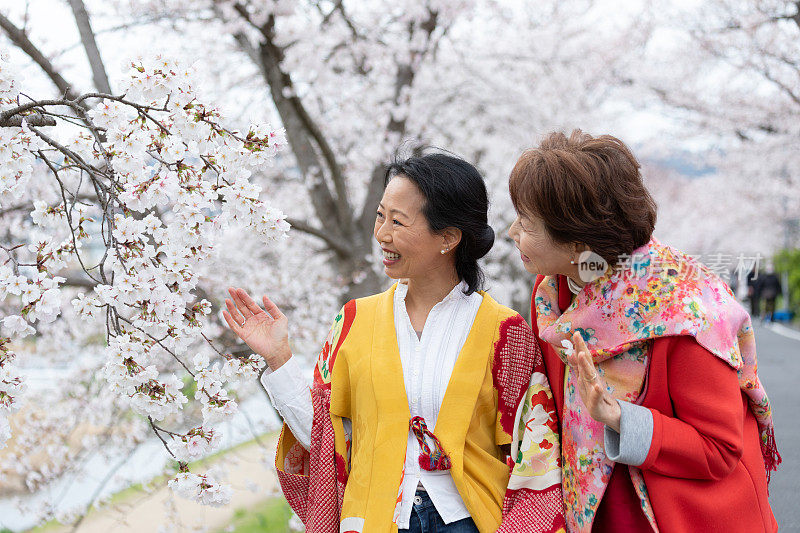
(272, 516)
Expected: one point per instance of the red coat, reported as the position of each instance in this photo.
(704, 471)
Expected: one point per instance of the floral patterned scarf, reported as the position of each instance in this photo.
(659, 292)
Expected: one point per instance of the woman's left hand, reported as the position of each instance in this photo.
(591, 386)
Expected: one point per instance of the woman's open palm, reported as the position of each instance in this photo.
(591, 386)
(266, 332)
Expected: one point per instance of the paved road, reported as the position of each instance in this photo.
(779, 369)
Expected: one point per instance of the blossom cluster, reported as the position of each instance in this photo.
(194, 444)
(203, 489)
(17, 145)
(185, 160)
(11, 386)
(39, 299)
(169, 177)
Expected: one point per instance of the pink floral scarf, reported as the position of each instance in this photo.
(660, 292)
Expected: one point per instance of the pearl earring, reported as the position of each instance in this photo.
(573, 262)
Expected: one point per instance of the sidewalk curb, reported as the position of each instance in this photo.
(784, 331)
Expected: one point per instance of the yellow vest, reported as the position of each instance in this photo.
(366, 380)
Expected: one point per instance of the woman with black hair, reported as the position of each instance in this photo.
(415, 395)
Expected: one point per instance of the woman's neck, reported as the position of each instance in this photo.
(426, 291)
(574, 274)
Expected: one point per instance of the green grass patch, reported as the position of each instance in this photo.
(271, 516)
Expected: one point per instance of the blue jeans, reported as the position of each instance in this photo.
(425, 519)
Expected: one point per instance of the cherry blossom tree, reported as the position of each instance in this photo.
(134, 191)
(729, 70)
(354, 83)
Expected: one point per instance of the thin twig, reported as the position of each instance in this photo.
(155, 430)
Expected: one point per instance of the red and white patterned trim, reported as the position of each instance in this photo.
(533, 511)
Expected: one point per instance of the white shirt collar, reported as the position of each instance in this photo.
(456, 293)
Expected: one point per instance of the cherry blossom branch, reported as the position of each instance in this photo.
(91, 170)
(157, 341)
(156, 430)
(300, 128)
(68, 214)
(34, 119)
(151, 255)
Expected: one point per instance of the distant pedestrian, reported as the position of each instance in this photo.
(733, 282)
(770, 288)
(754, 293)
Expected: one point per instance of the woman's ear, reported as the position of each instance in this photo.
(452, 236)
(578, 248)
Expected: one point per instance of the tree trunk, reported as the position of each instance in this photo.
(362, 278)
(90, 46)
(348, 234)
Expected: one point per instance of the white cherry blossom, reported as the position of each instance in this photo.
(180, 179)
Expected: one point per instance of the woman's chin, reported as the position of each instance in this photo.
(531, 268)
(392, 273)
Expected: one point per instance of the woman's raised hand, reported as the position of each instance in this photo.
(591, 386)
(265, 332)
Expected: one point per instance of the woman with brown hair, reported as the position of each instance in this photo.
(664, 423)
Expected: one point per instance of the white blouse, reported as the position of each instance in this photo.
(427, 362)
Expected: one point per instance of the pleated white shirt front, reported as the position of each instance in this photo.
(428, 363)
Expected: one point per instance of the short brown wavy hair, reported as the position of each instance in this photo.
(587, 190)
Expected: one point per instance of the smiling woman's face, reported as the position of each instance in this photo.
(410, 249)
(539, 253)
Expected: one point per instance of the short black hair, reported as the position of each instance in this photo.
(455, 197)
